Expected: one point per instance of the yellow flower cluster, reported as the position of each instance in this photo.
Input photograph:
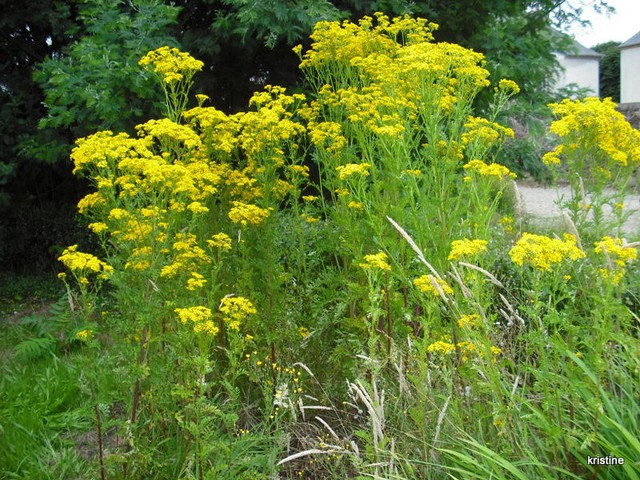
(509, 86)
(343, 42)
(465, 348)
(484, 131)
(84, 335)
(433, 285)
(489, 170)
(357, 206)
(617, 254)
(171, 64)
(246, 214)
(200, 317)
(617, 251)
(187, 256)
(444, 348)
(236, 310)
(468, 320)
(593, 125)
(220, 240)
(350, 169)
(376, 261)
(83, 263)
(196, 281)
(140, 258)
(327, 135)
(467, 248)
(542, 252)
(403, 78)
(98, 227)
(272, 125)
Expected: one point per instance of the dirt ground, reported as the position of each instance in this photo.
(541, 203)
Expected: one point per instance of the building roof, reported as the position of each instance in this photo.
(632, 42)
(579, 50)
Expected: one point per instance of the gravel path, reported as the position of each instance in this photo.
(540, 203)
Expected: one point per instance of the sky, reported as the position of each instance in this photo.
(618, 27)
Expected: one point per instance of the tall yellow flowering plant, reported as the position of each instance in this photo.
(391, 129)
(598, 149)
(182, 210)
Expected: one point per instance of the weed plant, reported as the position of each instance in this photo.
(332, 285)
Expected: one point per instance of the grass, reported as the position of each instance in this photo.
(42, 408)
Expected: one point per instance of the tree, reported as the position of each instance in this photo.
(29, 32)
(96, 83)
(609, 70)
(514, 36)
(69, 69)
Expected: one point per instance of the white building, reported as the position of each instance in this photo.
(630, 70)
(580, 69)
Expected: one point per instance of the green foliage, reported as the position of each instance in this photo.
(523, 153)
(44, 405)
(96, 83)
(609, 70)
(81, 52)
(271, 21)
(331, 287)
(51, 331)
(32, 30)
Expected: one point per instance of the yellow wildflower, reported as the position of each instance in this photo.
(468, 321)
(552, 157)
(207, 327)
(617, 250)
(492, 170)
(508, 86)
(83, 262)
(196, 281)
(309, 218)
(246, 214)
(171, 64)
(84, 335)
(201, 98)
(302, 170)
(444, 348)
(303, 332)
(193, 314)
(617, 254)
(220, 240)
(543, 252)
(98, 227)
(200, 317)
(467, 248)
(89, 201)
(376, 261)
(350, 169)
(433, 285)
(197, 207)
(118, 214)
(236, 310)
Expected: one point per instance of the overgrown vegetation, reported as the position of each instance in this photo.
(71, 69)
(334, 285)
